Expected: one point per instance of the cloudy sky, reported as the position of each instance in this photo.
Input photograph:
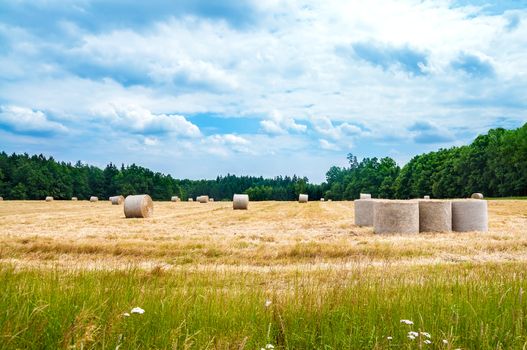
(197, 88)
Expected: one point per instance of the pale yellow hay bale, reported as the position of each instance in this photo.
(240, 201)
(94, 199)
(303, 198)
(117, 200)
(321, 199)
(426, 197)
(138, 206)
(203, 199)
(211, 199)
(74, 199)
(395, 216)
(190, 200)
(435, 216)
(477, 196)
(49, 199)
(363, 212)
(365, 196)
(470, 215)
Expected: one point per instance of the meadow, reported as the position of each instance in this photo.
(282, 274)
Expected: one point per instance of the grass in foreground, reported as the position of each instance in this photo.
(461, 306)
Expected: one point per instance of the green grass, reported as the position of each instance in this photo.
(471, 306)
(505, 198)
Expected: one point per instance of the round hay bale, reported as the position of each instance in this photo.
(303, 198)
(330, 200)
(117, 200)
(203, 199)
(435, 216)
(426, 197)
(240, 201)
(363, 212)
(49, 199)
(94, 199)
(470, 215)
(395, 216)
(477, 196)
(365, 196)
(211, 199)
(138, 206)
(74, 199)
(321, 199)
(1, 198)
(174, 199)
(190, 200)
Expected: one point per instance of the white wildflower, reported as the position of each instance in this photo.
(269, 346)
(389, 338)
(268, 303)
(408, 322)
(426, 334)
(445, 341)
(413, 334)
(126, 314)
(411, 337)
(137, 310)
(427, 341)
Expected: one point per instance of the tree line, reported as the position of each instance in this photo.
(495, 164)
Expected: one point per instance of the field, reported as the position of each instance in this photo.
(297, 276)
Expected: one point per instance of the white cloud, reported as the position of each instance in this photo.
(325, 144)
(151, 141)
(140, 120)
(26, 120)
(277, 123)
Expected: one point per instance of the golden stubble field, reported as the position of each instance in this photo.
(270, 236)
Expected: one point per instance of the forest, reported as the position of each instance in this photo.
(494, 164)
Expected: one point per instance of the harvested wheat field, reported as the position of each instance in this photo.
(281, 273)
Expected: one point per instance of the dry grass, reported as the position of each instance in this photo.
(269, 236)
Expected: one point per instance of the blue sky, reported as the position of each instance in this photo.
(199, 88)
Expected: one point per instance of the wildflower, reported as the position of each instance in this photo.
(445, 341)
(408, 322)
(427, 341)
(269, 346)
(268, 303)
(411, 337)
(137, 310)
(126, 314)
(426, 334)
(389, 338)
(413, 334)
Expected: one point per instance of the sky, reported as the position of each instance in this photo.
(197, 88)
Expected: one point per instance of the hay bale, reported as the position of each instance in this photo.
(365, 196)
(321, 199)
(1, 198)
(330, 200)
(477, 196)
(240, 201)
(174, 199)
(190, 200)
(211, 199)
(469, 215)
(117, 200)
(303, 198)
(363, 212)
(49, 199)
(74, 199)
(94, 199)
(426, 197)
(138, 206)
(395, 216)
(203, 199)
(435, 216)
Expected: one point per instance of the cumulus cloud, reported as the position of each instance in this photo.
(223, 144)
(136, 119)
(474, 66)
(324, 126)
(325, 144)
(27, 121)
(277, 123)
(425, 132)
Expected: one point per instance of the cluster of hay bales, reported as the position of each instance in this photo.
(138, 206)
(49, 199)
(240, 202)
(94, 199)
(116, 200)
(414, 216)
(303, 198)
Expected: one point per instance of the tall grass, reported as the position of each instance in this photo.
(468, 306)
